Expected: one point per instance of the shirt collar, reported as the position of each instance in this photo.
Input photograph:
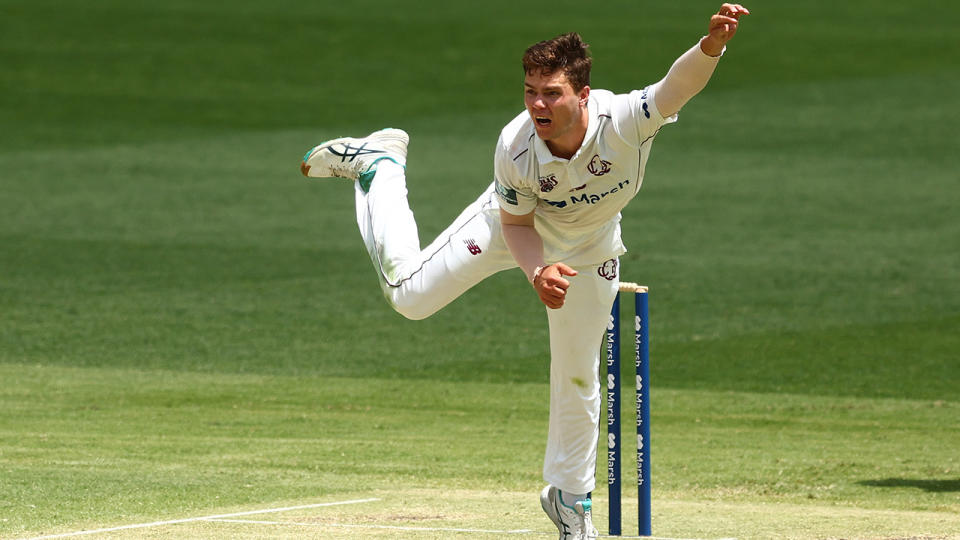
(543, 153)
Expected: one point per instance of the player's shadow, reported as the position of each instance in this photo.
(932, 486)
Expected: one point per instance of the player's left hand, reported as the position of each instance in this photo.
(723, 25)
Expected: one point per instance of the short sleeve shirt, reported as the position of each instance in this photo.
(577, 202)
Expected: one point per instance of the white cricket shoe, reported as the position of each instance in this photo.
(573, 522)
(356, 159)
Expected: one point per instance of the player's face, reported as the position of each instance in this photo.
(558, 112)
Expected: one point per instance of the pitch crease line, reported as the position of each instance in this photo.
(372, 526)
(202, 518)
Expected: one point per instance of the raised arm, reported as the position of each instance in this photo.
(690, 73)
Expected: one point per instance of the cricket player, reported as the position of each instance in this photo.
(563, 170)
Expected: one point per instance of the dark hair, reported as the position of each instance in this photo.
(567, 53)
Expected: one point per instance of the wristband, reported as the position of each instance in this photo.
(536, 273)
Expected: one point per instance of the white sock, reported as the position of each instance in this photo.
(569, 499)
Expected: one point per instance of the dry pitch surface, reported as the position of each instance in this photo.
(442, 514)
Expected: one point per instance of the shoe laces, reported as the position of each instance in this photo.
(585, 509)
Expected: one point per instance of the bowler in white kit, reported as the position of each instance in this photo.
(563, 170)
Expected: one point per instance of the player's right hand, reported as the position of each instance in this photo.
(551, 286)
(723, 25)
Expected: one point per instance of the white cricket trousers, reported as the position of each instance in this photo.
(417, 283)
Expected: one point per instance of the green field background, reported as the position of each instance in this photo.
(187, 325)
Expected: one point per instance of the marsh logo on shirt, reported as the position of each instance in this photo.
(556, 204)
(547, 183)
(589, 198)
(597, 166)
(608, 270)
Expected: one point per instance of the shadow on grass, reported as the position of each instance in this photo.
(932, 486)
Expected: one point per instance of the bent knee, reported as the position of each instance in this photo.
(411, 308)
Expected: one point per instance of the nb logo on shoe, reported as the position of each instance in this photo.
(350, 153)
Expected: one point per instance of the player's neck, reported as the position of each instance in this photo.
(567, 145)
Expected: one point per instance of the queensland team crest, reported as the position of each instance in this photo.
(608, 270)
(597, 166)
(547, 183)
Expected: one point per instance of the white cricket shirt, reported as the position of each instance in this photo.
(578, 201)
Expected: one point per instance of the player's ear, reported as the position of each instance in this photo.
(584, 94)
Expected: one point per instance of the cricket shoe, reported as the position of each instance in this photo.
(573, 522)
(356, 159)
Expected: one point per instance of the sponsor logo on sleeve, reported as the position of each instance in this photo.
(643, 98)
(506, 194)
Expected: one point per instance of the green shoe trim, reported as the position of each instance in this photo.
(366, 177)
(560, 498)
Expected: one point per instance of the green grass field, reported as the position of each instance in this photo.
(188, 328)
